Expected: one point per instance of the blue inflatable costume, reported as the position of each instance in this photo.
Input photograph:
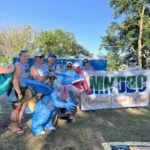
(45, 109)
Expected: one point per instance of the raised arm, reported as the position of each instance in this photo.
(8, 69)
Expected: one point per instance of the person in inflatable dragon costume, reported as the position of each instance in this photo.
(45, 107)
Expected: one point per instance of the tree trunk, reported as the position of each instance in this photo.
(140, 45)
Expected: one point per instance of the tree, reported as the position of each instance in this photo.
(13, 39)
(60, 42)
(131, 36)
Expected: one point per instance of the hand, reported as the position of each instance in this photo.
(52, 74)
(43, 78)
(87, 92)
(49, 84)
(11, 68)
(70, 106)
(74, 101)
(20, 96)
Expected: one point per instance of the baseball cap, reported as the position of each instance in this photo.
(37, 53)
(133, 60)
(76, 64)
(52, 55)
(69, 62)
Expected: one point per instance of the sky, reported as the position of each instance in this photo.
(87, 19)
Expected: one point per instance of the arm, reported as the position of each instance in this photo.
(36, 76)
(85, 84)
(59, 104)
(26, 100)
(17, 74)
(8, 69)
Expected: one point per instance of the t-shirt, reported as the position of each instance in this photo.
(134, 68)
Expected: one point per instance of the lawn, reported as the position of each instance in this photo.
(86, 132)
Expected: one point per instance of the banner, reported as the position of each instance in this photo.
(97, 64)
(116, 89)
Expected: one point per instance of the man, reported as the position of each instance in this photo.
(133, 65)
(52, 67)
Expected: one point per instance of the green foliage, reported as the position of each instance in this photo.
(60, 42)
(132, 35)
(13, 39)
(3, 59)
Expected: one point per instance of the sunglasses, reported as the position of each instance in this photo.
(69, 66)
(85, 62)
(40, 56)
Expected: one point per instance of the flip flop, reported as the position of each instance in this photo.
(19, 131)
(24, 127)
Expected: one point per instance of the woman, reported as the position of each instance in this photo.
(22, 72)
(40, 71)
(78, 70)
(86, 66)
(69, 66)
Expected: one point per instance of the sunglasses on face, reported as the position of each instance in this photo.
(69, 66)
(85, 62)
(40, 57)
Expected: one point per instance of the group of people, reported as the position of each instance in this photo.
(39, 71)
(44, 73)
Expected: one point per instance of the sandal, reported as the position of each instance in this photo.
(18, 131)
(24, 127)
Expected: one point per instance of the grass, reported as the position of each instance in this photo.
(87, 132)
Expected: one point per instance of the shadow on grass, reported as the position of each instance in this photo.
(88, 131)
(91, 129)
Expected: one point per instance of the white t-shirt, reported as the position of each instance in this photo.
(134, 68)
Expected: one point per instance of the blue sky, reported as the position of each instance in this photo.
(87, 19)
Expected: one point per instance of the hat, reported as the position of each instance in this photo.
(52, 55)
(69, 62)
(85, 60)
(133, 60)
(37, 53)
(76, 64)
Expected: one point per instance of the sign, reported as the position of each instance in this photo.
(97, 64)
(116, 89)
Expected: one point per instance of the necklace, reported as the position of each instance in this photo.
(24, 64)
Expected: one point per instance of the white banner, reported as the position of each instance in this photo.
(117, 89)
